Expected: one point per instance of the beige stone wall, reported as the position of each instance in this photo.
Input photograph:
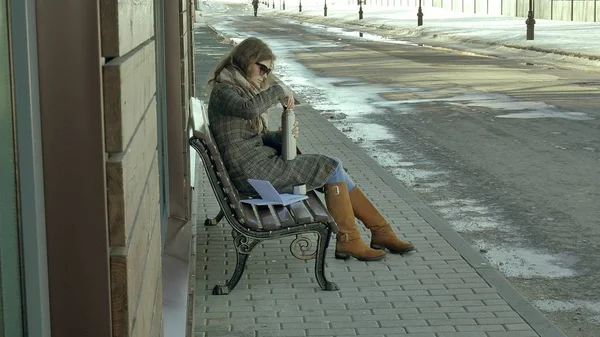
(133, 193)
(132, 163)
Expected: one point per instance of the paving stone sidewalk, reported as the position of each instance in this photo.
(444, 289)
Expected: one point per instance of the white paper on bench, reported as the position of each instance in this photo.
(270, 196)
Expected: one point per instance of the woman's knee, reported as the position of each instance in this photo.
(339, 165)
(341, 175)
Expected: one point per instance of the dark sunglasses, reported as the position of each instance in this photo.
(264, 70)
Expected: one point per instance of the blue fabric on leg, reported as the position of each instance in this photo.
(340, 175)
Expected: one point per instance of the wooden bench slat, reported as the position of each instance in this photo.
(251, 219)
(300, 212)
(318, 209)
(212, 147)
(239, 214)
(269, 222)
(225, 181)
(284, 216)
(219, 165)
(232, 197)
(219, 162)
(236, 195)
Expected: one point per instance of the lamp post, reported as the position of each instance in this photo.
(325, 9)
(530, 21)
(360, 11)
(420, 15)
(300, 6)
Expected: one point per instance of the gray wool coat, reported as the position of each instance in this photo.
(247, 154)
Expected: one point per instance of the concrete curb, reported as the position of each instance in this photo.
(490, 274)
(214, 30)
(424, 34)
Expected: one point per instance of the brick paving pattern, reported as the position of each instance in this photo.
(433, 292)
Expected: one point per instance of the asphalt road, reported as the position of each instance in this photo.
(506, 151)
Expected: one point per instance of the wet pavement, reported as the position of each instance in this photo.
(446, 288)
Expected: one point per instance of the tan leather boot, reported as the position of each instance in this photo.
(382, 235)
(348, 243)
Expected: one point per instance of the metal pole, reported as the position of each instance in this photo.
(325, 9)
(420, 15)
(300, 6)
(572, 3)
(360, 10)
(283, 4)
(530, 22)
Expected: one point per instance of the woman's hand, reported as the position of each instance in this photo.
(288, 98)
(289, 102)
(295, 129)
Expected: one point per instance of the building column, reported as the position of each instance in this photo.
(72, 124)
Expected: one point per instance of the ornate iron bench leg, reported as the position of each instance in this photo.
(323, 242)
(243, 246)
(215, 221)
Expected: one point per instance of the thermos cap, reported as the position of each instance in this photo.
(299, 189)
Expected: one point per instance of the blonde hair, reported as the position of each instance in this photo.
(241, 58)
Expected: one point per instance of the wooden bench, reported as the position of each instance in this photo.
(252, 224)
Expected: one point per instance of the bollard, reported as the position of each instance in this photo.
(360, 11)
(530, 26)
(420, 15)
(300, 6)
(325, 9)
(530, 22)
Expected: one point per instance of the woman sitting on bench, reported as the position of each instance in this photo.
(237, 111)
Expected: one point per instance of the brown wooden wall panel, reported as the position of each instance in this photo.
(130, 265)
(67, 62)
(129, 87)
(126, 178)
(125, 24)
(152, 282)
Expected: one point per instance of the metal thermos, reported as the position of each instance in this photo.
(288, 141)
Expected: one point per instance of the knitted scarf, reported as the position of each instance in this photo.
(258, 124)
